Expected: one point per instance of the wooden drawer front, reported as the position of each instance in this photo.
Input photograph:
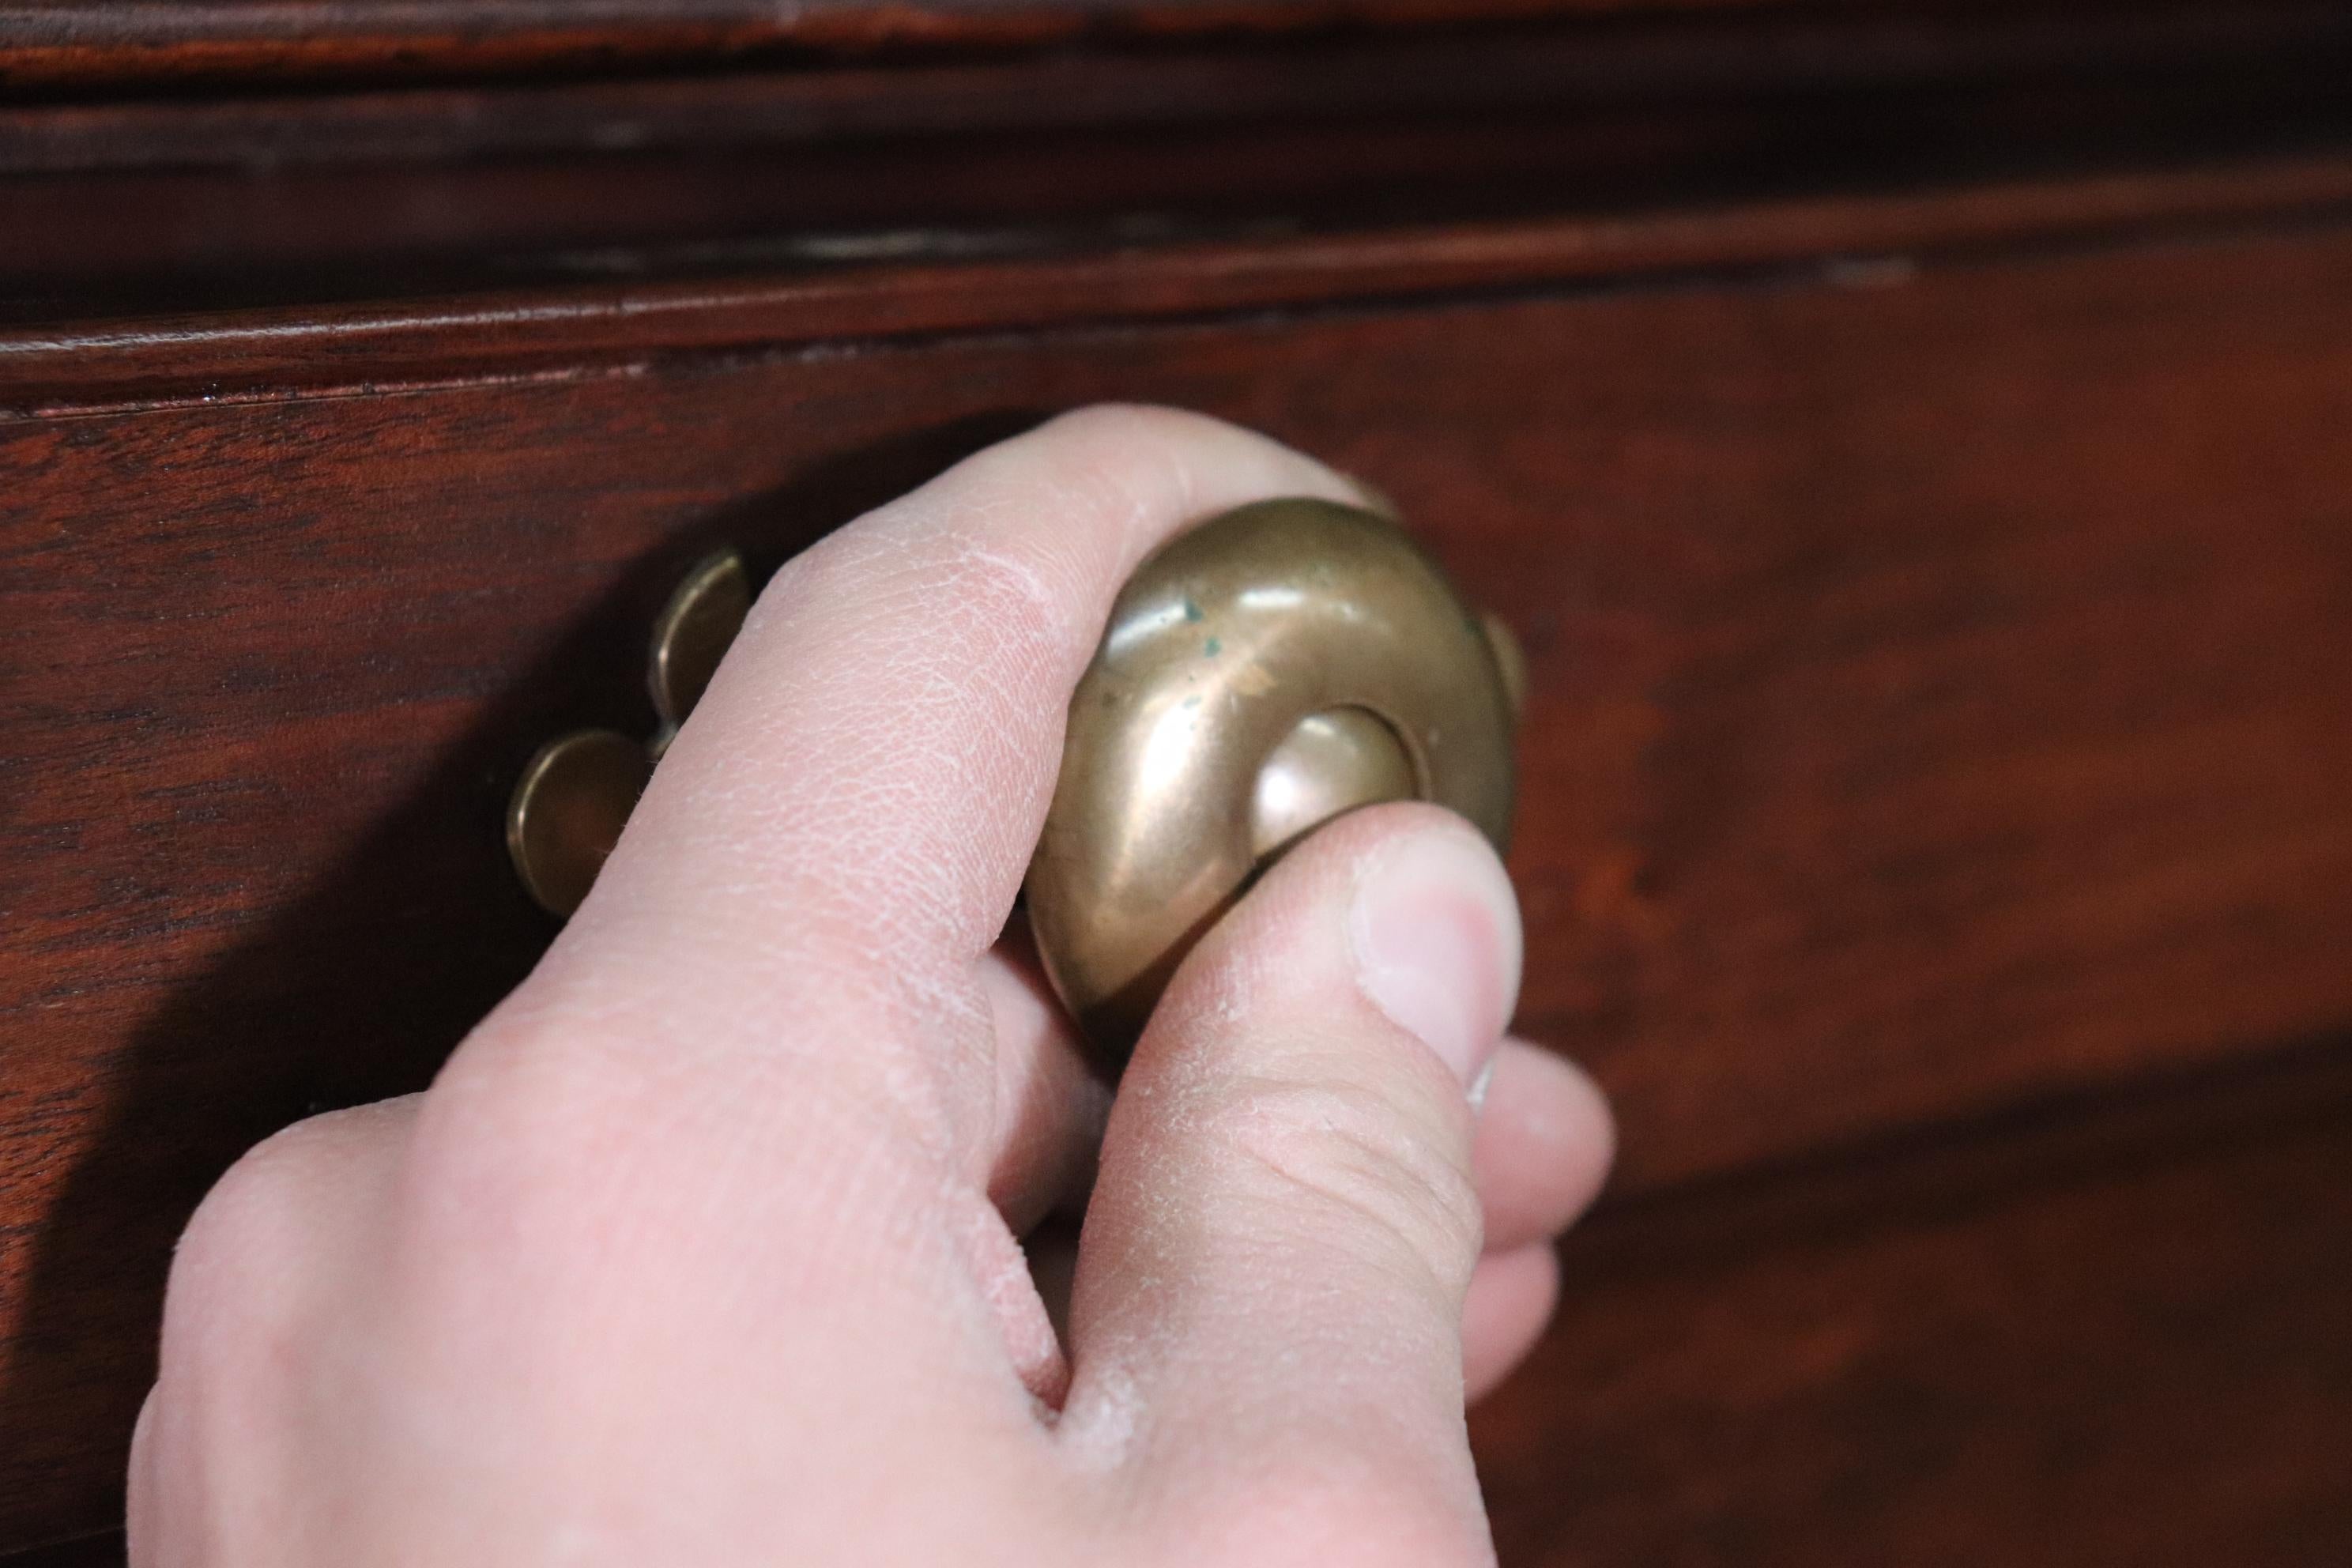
(1942, 700)
(2114, 1342)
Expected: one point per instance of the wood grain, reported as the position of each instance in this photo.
(106, 1549)
(1942, 700)
(621, 329)
(2076, 1345)
(60, 43)
(196, 200)
(1697, 57)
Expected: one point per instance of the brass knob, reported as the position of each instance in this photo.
(1261, 674)
(567, 810)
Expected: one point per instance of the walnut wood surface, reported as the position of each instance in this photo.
(620, 328)
(145, 203)
(76, 43)
(1941, 701)
(1689, 55)
(2081, 1344)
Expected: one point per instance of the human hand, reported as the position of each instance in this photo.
(703, 1247)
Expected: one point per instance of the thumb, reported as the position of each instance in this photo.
(1270, 1277)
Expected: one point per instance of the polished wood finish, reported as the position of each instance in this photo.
(2104, 1338)
(65, 44)
(125, 199)
(1940, 702)
(1761, 51)
(614, 330)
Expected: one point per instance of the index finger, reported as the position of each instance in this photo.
(850, 812)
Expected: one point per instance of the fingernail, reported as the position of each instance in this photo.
(1435, 932)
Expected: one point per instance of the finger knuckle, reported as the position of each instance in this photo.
(514, 1129)
(227, 1295)
(1007, 599)
(251, 1213)
(1119, 428)
(531, 1151)
(1126, 459)
(1379, 1161)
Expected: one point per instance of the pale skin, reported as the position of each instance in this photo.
(705, 1247)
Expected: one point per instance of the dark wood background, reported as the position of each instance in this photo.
(302, 164)
(1934, 555)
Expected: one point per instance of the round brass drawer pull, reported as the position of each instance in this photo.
(1260, 675)
(568, 809)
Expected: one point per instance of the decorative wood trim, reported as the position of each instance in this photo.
(66, 45)
(609, 328)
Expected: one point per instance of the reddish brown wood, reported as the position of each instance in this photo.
(187, 200)
(61, 43)
(2075, 1347)
(1750, 50)
(1942, 698)
(105, 1550)
(611, 330)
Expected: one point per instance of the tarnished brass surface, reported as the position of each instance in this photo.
(569, 806)
(1261, 674)
(692, 633)
(567, 811)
